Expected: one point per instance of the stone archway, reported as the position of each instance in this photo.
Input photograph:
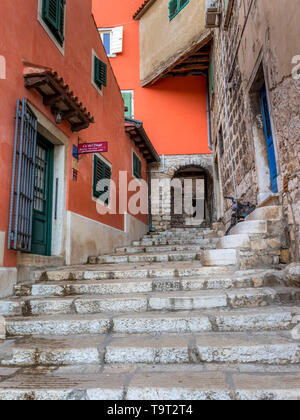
(192, 197)
(165, 173)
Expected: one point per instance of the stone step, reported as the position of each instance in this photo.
(130, 286)
(266, 213)
(154, 301)
(151, 384)
(250, 227)
(171, 270)
(266, 348)
(173, 242)
(246, 348)
(148, 257)
(234, 241)
(162, 248)
(257, 319)
(220, 257)
(58, 325)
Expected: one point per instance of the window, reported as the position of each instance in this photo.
(175, 6)
(128, 103)
(112, 39)
(53, 14)
(137, 166)
(101, 180)
(100, 73)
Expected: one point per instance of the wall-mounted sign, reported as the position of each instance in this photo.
(75, 152)
(85, 148)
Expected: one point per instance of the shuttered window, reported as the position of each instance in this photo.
(175, 6)
(100, 73)
(101, 181)
(137, 167)
(53, 13)
(128, 99)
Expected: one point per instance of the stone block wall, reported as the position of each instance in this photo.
(254, 43)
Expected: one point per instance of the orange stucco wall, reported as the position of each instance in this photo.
(173, 110)
(23, 38)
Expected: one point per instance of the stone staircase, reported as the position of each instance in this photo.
(178, 315)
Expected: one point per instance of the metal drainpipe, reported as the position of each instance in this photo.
(208, 111)
(150, 225)
(227, 115)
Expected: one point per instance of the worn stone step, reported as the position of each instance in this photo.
(250, 227)
(149, 257)
(272, 318)
(191, 269)
(173, 241)
(266, 213)
(52, 351)
(234, 241)
(130, 286)
(58, 325)
(162, 301)
(266, 348)
(162, 248)
(246, 348)
(220, 257)
(150, 384)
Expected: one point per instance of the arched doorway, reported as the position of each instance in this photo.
(191, 198)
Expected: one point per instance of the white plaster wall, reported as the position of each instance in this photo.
(87, 237)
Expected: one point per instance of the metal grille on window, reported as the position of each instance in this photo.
(22, 186)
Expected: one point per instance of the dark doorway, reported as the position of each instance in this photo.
(191, 198)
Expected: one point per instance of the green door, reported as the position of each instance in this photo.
(43, 186)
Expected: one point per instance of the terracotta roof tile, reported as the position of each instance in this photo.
(143, 8)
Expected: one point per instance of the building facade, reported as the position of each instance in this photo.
(255, 109)
(59, 92)
(144, 44)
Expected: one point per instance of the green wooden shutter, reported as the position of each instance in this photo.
(183, 3)
(173, 9)
(127, 96)
(100, 73)
(102, 172)
(226, 5)
(53, 13)
(137, 167)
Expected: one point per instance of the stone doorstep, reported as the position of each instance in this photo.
(271, 318)
(267, 348)
(153, 301)
(146, 384)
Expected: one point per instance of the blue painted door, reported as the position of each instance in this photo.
(269, 138)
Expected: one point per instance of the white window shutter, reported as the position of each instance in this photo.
(117, 40)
